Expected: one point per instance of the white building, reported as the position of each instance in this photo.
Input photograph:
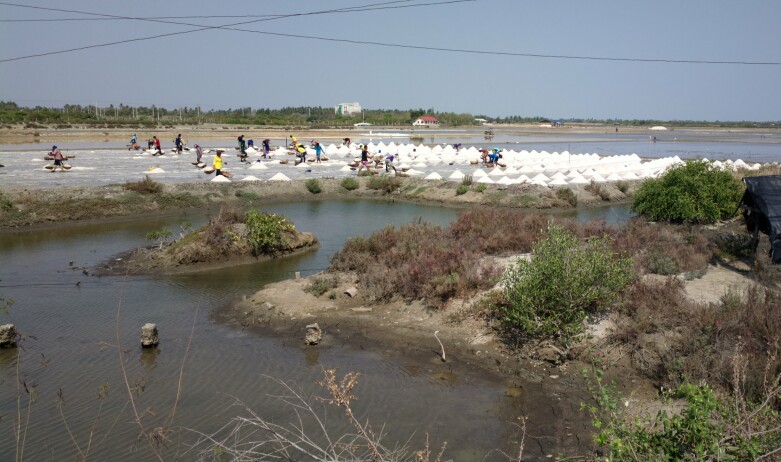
(426, 121)
(347, 109)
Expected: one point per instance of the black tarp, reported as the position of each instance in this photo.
(761, 206)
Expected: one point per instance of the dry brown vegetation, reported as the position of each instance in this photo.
(673, 338)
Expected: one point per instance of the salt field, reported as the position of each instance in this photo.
(440, 162)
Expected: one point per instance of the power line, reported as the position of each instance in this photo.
(371, 43)
(264, 17)
(369, 7)
(141, 18)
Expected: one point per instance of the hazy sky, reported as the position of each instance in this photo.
(223, 68)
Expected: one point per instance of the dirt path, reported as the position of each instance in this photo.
(718, 281)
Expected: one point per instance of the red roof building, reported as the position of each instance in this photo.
(426, 121)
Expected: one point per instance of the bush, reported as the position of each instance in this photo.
(598, 189)
(350, 184)
(145, 186)
(321, 285)
(688, 247)
(313, 185)
(215, 233)
(462, 189)
(159, 235)
(568, 196)
(467, 180)
(659, 263)
(622, 186)
(565, 281)
(417, 261)
(694, 192)
(736, 245)
(265, 231)
(384, 183)
(481, 187)
(5, 202)
(707, 427)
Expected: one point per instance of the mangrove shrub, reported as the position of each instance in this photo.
(564, 282)
(694, 192)
(265, 231)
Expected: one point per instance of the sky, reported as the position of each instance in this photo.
(219, 69)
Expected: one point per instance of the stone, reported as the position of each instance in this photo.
(149, 336)
(550, 353)
(267, 306)
(8, 336)
(362, 309)
(313, 334)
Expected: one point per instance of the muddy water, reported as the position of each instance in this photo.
(70, 322)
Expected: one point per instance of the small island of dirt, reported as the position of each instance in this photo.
(232, 238)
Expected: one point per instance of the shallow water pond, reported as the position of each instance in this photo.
(71, 321)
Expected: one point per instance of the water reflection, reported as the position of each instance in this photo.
(148, 358)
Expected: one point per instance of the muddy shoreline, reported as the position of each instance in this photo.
(404, 333)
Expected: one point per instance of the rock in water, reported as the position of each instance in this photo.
(149, 337)
(313, 334)
(8, 336)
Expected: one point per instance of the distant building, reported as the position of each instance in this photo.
(347, 109)
(426, 121)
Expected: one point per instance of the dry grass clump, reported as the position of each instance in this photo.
(216, 235)
(435, 263)
(568, 196)
(673, 339)
(665, 249)
(418, 261)
(598, 189)
(145, 186)
(499, 231)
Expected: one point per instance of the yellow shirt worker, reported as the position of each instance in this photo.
(217, 164)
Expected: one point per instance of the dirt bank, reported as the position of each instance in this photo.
(23, 207)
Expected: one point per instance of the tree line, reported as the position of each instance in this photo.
(301, 116)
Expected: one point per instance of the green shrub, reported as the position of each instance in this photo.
(462, 189)
(5, 202)
(264, 231)
(384, 183)
(481, 187)
(565, 280)
(736, 245)
(660, 263)
(694, 192)
(321, 285)
(707, 428)
(145, 186)
(159, 235)
(568, 196)
(467, 180)
(313, 185)
(350, 184)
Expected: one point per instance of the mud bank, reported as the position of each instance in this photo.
(21, 207)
